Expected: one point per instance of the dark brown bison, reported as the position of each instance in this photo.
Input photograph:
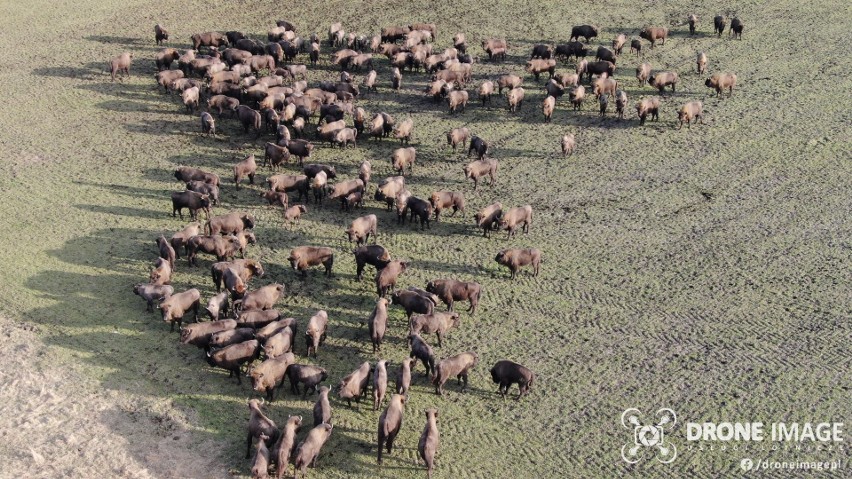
(505, 373)
(160, 34)
(586, 31)
(192, 201)
(450, 290)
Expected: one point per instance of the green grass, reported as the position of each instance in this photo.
(651, 295)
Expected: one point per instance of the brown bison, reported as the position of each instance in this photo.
(648, 106)
(442, 200)
(176, 306)
(517, 258)
(457, 366)
(481, 168)
(387, 277)
(663, 79)
(231, 223)
(429, 441)
(521, 215)
(489, 218)
(693, 110)
(315, 333)
(652, 34)
(390, 422)
(722, 81)
(361, 229)
(303, 257)
(120, 64)
(450, 290)
(354, 385)
(568, 144)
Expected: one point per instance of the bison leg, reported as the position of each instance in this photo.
(248, 445)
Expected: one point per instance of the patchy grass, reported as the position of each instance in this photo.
(703, 269)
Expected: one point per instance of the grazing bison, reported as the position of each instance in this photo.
(374, 255)
(152, 293)
(604, 53)
(586, 31)
(260, 299)
(176, 306)
(635, 47)
(354, 385)
(435, 322)
(605, 85)
(568, 144)
(223, 247)
(181, 238)
(537, 67)
(288, 183)
(231, 358)
(479, 169)
(456, 99)
(308, 375)
(343, 189)
(693, 110)
(505, 373)
(165, 78)
(479, 146)
(249, 118)
(427, 447)
(294, 213)
(489, 218)
(257, 318)
(315, 332)
(652, 34)
(648, 106)
(718, 25)
(722, 81)
(303, 257)
(509, 82)
(164, 58)
(450, 290)
(220, 339)
(208, 39)
(387, 277)
(521, 215)
(495, 48)
(420, 350)
(388, 189)
(599, 68)
(541, 50)
(692, 19)
(192, 201)
(200, 335)
(419, 208)
(160, 34)
(222, 103)
(517, 258)
(270, 373)
(231, 223)
(403, 157)
(308, 451)
(663, 79)
(457, 366)
(441, 200)
(120, 64)
(736, 28)
(390, 422)
(361, 229)
(412, 302)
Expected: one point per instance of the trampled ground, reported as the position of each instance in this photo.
(705, 269)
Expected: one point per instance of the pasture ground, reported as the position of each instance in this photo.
(706, 270)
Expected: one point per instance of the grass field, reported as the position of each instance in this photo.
(705, 270)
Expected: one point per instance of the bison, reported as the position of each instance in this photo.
(517, 258)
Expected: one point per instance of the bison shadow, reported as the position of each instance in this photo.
(127, 211)
(114, 39)
(85, 72)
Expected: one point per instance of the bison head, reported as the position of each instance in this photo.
(500, 257)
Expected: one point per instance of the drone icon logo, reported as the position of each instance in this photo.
(647, 437)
